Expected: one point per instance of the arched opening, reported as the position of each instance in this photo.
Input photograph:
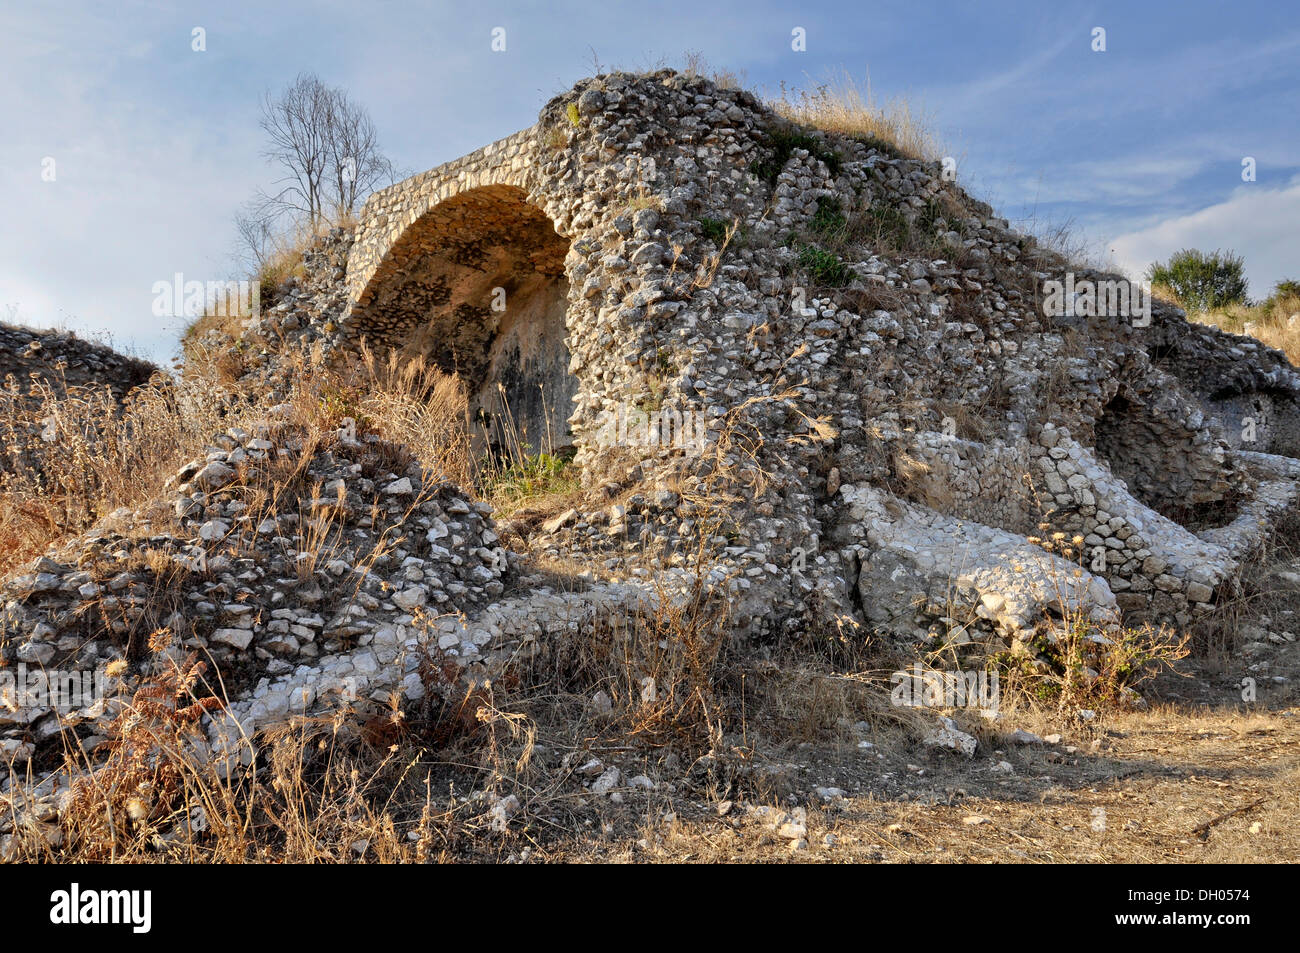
(477, 287)
(1162, 463)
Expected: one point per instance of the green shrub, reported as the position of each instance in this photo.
(887, 227)
(1286, 288)
(829, 218)
(824, 267)
(1201, 281)
(714, 229)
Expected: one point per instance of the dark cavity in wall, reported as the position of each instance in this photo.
(1163, 464)
(476, 286)
(527, 393)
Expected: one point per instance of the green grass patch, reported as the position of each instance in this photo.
(829, 218)
(527, 480)
(714, 229)
(824, 267)
(783, 142)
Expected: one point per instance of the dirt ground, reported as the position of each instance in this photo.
(1200, 775)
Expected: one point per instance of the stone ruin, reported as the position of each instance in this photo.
(62, 361)
(886, 416)
(965, 415)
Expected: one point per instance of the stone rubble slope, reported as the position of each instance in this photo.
(351, 586)
(300, 318)
(61, 359)
(291, 567)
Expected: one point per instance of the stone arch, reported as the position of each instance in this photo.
(476, 285)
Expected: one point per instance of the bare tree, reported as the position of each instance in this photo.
(328, 150)
(256, 239)
(356, 165)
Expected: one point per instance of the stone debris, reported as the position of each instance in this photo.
(944, 459)
(311, 609)
(502, 810)
(793, 825)
(947, 735)
(61, 360)
(1022, 737)
(608, 780)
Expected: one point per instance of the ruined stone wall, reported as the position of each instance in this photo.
(1089, 426)
(60, 359)
(894, 432)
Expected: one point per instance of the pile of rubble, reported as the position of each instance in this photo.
(298, 570)
(62, 360)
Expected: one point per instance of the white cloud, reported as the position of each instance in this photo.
(142, 188)
(1262, 225)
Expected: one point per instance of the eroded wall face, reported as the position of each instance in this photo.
(527, 391)
(1165, 464)
(1259, 421)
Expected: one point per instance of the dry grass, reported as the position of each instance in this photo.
(320, 790)
(390, 785)
(843, 106)
(1074, 662)
(694, 64)
(1276, 322)
(414, 404)
(70, 455)
(226, 314)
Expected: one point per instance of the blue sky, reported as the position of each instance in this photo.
(156, 145)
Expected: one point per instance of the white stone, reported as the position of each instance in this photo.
(239, 638)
